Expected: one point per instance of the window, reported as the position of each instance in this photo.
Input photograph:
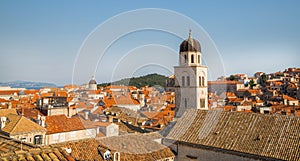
(38, 139)
(185, 58)
(200, 81)
(199, 59)
(203, 81)
(188, 80)
(183, 83)
(202, 103)
(23, 139)
(192, 59)
(185, 103)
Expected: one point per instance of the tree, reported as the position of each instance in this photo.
(251, 83)
(263, 79)
(231, 77)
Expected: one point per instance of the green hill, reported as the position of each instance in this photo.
(147, 80)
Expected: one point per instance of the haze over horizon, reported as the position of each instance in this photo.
(40, 40)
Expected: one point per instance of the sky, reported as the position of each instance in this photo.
(61, 42)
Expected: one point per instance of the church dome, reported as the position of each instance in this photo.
(190, 44)
(92, 81)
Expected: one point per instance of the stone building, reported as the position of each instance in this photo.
(20, 128)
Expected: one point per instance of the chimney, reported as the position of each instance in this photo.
(68, 150)
(86, 115)
(22, 111)
(43, 121)
(3, 121)
(117, 156)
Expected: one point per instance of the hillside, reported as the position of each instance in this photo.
(147, 80)
(27, 85)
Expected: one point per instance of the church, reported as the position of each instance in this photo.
(213, 135)
(191, 78)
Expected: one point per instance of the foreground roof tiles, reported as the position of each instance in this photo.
(11, 149)
(133, 147)
(271, 136)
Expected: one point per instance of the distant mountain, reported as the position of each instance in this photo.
(27, 85)
(147, 80)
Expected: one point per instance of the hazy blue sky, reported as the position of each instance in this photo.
(39, 40)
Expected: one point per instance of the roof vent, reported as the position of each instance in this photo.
(68, 150)
(3, 121)
(217, 132)
(107, 155)
(259, 137)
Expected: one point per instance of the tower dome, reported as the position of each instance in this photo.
(92, 81)
(190, 44)
(92, 84)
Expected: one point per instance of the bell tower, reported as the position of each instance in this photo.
(191, 78)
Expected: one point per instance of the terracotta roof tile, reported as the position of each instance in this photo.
(4, 112)
(274, 136)
(20, 124)
(60, 123)
(288, 98)
(136, 147)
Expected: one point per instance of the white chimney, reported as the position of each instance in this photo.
(68, 150)
(3, 121)
(86, 115)
(43, 120)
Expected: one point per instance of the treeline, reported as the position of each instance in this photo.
(147, 80)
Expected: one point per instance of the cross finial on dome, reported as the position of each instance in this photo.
(190, 34)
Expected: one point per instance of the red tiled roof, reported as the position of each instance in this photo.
(272, 136)
(30, 113)
(4, 100)
(4, 112)
(9, 92)
(20, 124)
(288, 98)
(60, 123)
(223, 82)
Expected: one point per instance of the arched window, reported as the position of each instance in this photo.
(185, 103)
(203, 81)
(185, 58)
(200, 81)
(202, 103)
(188, 80)
(183, 83)
(199, 59)
(192, 59)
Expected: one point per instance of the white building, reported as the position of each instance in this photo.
(191, 78)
